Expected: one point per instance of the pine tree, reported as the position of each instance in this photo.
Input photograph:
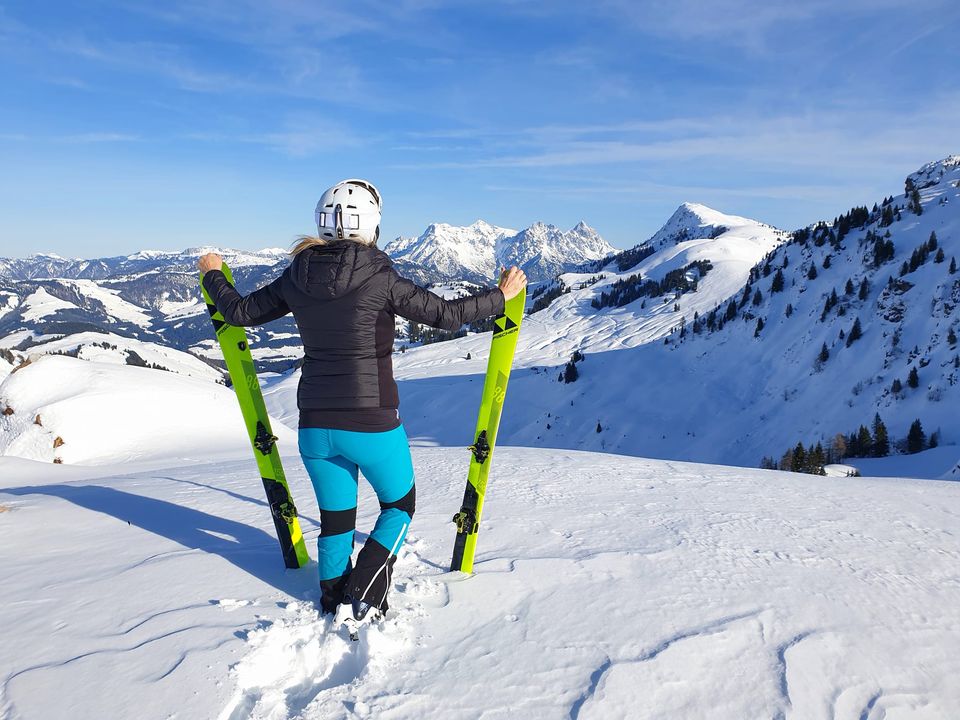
(932, 241)
(916, 438)
(570, 372)
(864, 441)
(881, 441)
(599, 428)
(848, 288)
(414, 332)
(817, 460)
(757, 297)
(788, 311)
(864, 289)
(777, 284)
(914, 204)
(826, 263)
(855, 333)
(953, 265)
(952, 337)
(759, 329)
(939, 257)
(824, 354)
(812, 272)
(731, 312)
(897, 387)
(799, 458)
(913, 379)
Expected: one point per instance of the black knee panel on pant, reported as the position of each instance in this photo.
(408, 503)
(335, 522)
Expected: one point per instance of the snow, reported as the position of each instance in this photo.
(113, 304)
(930, 464)
(40, 304)
(178, 310)
(605, 587)
(115, 413)
(86, 345)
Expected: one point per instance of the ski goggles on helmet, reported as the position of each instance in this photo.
(350, 221)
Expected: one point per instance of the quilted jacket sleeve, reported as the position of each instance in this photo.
(260, 306)
(411, 301)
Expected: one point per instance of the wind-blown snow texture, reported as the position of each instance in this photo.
(605, 587)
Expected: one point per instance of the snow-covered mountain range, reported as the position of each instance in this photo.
(721, 339)
(153, 296)
(477, 252)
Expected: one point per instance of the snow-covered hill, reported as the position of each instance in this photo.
(477, 252)
(605, 587)
(61, 409)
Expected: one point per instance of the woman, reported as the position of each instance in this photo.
(344, 293)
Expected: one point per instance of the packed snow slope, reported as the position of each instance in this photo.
(606, 587)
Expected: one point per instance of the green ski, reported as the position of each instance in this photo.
(506, 328)
(236, 354)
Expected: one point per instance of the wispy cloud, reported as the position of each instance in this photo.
(295, 140)
(73, 139)
(837, 139)
(98, 137)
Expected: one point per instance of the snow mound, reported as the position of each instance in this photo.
(953, 474)
(62, 409)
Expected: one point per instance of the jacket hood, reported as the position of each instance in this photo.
(335, 269)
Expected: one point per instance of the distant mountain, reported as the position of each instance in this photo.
(153, 296)
(476, 252)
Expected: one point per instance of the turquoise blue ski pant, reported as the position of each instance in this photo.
(333, 459)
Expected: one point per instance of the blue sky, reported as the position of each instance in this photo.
(124, 126)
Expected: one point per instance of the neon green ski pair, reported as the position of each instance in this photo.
(236, 354)
(506, 328)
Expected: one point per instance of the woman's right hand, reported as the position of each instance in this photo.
(512, 281)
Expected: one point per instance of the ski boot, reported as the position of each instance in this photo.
(354, 614)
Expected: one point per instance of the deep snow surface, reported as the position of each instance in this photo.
(605, 587)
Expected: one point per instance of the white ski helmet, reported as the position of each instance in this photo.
(350, 210)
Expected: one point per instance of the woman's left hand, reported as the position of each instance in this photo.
(210, 261)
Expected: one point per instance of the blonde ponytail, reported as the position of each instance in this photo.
(306, 241)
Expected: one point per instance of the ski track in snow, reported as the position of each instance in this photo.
(605, 587)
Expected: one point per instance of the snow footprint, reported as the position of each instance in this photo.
(296, 660)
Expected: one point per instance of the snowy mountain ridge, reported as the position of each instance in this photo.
(477, 252)
(693, 221)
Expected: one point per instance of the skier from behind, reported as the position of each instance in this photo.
(344, 293)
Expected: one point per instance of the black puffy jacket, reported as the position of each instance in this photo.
(344, 297)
